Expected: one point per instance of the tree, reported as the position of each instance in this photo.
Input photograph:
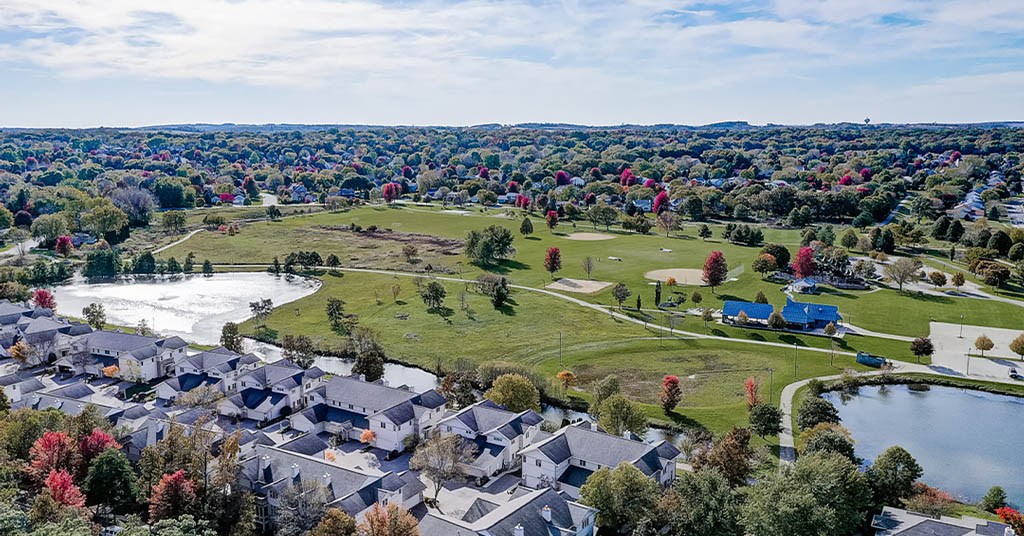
(750, 390)
(553, 261)
(620, 292)
(902, 271)
(551, 218)
(517, 393)
(608, 386)
(804, 265)
(144, 264)
(336, 314)
(44, 299)
(261, 310)
(433, 294)
(731, 455)
(828, 437)
(48, 227)
(938, 279)
(922, 347)
(495, 287)
(701, 502)
(301, 508)
(622, 496)
(299, 349)
(63, 489)
(53, 451)
(231, 338)
(104, 219)
(172, 497)
(815, 411)
(668, 221)
(764, 264)
(489, 246)
(173, 221)
(21, 351)
(707, 316)
(363, 344)
(1013, 518)
(335, 523)
(588, 265)
(993, 500)
(390, 192)
(567, 379)
(958, 280)
(780, 252)
(849, 239)
(893, 475)
(390, 521)
(93, 443)
(765, 420)
(983, 343)
(443, 459)
(111, 481)
(671, 394)
(620, 414)
(715, 270)
(207, 268)
(1017, 345)
(821, 494)
(526, 228)
(64, 246)
(704, 232)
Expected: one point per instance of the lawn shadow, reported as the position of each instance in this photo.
(507, 309)
(400, 302)
(719, 333)
(682, 420)
(531, 238)
(792, 339)
(507, 266)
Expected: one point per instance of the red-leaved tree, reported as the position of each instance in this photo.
(390, 192)
(63, 489)
(173, 496)
(803, 264)
(660, 202)
(561, 178)
(627, 178)
(54, 451)
(715, 270)
(552, 219)
(64, 246)
(750, 388)
(1013, 518)
(513, 187)
(94, 443)
(44, 298)
(671, 394)
(484, 172)
(553, 261)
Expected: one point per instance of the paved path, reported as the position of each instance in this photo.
(176, 242)
(269, 199)
(895, 212)
(19, 248)
(856, 330)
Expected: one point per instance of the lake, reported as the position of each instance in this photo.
(966, 441)
(193, 307)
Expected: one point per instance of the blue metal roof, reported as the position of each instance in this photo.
(755, 311)
(806, 313)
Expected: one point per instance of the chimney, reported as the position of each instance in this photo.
(593, 426)
(326, 480)
(518, 531)
(295, 470)
(262, 467)
(546, 514)
(626, 434)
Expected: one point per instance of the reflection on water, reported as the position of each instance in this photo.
(966, 441)
(192, 307)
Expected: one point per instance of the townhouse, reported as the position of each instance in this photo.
(218, 369)
(499, 435)
(541, 512)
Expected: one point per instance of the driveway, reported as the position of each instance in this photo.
(951, 349)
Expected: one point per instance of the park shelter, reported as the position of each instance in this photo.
(810, 315)
(754, 311)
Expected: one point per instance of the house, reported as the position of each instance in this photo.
(138, 358)
(810, 315)
(348, 405)
(270, 471)
(756, 312)
(48, 336)
(804, 286)
(262, 394)
(19, 385)
(499, 435)
(218, 368)
(541, 512)
(565, 460)
(896, 521)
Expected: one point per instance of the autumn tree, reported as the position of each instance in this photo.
(21, 351)
(553, 261)
(983, 343)
(671, 394)
(44, 299)
(776, 320)
(63, 489)
(731, 455)
(517, 393)
(173, 496)
(53, 451)
(958, 280)
(804, 264)
(335, 523)
(764, 264)
(94, 443)
(392, 520)
(938, 279)
(1017, 345)
(443, 459)
(620, 414)
(566, 379)
(923, 347)
(551, 218)
(715, 270)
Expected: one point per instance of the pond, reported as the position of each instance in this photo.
(966, 441)
(193, 307)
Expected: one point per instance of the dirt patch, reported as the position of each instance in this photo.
(581, 286)
(368, 237)
(589, 236)
(683, 276)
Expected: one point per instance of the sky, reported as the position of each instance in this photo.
(87, 63)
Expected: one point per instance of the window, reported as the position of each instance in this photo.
(583, 463)
(538, 463)
(384, 425)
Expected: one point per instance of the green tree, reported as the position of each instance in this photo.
(489, 246)
(111, 481)
(892, 476)
(299, 349)
(765, 420)
(95, 315)
(993, 500)
(622, 496)
(526, 228)
(207, 268)
(815, 411)
(707, 505)
(443, 459)
(515, 392)
(336, 314)
(364, 345)
(620, 292)
(47, 227)
(173, 221)
(433, 294)
(104, 219)
(231, 338)
(849, 239)
(620, 414)
(608, 386)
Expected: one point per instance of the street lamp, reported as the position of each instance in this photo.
(961, 325)
(794, 361)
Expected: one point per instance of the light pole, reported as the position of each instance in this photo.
(968, 360)
(794, 361)
(559, 349)
(771, 386)
(961, 325)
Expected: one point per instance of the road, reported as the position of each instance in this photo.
(176, 242)
(17, 249)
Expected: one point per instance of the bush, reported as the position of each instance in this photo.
(486, 373)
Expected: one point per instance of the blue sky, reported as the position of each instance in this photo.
(81, 63)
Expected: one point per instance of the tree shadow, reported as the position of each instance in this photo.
(719, 333)
(443, 311)
(682, 420)
(507, 266)
(792, 339)
(401, 302)
(531, 238)
(507, 309)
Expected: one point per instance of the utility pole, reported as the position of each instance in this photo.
(961, 325)
(771, 385)
(794, 361)
(559, 349)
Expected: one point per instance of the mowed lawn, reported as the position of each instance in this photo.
(593, 344)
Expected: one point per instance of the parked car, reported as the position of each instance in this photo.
(1014, 375)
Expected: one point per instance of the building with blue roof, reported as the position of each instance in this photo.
(810, 315)
(755, 311)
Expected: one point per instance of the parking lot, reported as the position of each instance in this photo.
(951, 349)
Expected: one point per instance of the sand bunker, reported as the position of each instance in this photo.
(683, 276)
(589, 236)
(582, 286)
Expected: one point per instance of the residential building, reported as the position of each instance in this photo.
(498, 434)
(565, 460)
(137, 358)
(264, 393)
(218, 368)
(899, 522)
(541, 512)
